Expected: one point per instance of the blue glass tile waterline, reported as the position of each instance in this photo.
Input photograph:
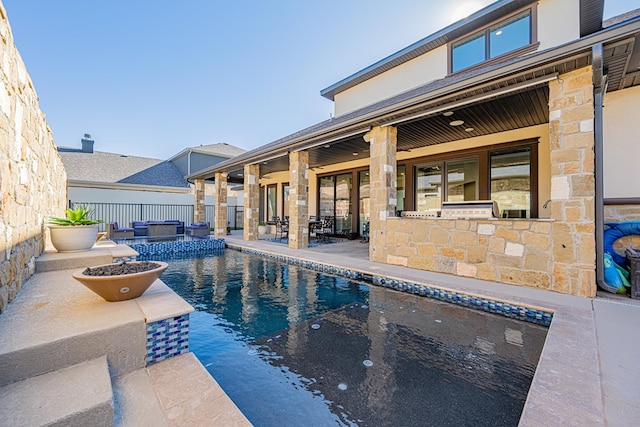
(167, 338)
(524, 313)
(178, 245)
(292, 346)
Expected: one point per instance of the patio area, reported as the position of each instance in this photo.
(589, 363)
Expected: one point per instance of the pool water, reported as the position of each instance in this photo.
(291, 346)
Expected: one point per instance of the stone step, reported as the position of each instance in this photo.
(103, 253)
(55, 322)
(80, 395)
(175, 392)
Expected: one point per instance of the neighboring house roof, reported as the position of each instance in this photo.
(111, 168)
(590, 22)
(219, 150)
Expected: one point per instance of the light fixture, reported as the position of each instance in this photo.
(499, 33)
(468, 130)
(447, 113)
(456, 123)
(355, 153)
(327, 145)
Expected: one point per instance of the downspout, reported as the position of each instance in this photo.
(599, 87)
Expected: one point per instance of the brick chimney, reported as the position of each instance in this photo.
(87, 143)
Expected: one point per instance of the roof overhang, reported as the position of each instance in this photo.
(509, 95)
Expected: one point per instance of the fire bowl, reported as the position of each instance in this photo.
(120, 287)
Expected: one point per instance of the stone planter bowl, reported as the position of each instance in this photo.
(121, 287)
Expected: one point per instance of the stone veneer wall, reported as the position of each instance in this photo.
(556, 254)
(33, 182)
(298, 200)
(508, 251)
(220, 208)
(251, 202)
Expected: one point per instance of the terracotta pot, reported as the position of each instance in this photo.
(73, 238)
(122, 287)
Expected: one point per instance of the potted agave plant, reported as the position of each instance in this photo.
(75, 232)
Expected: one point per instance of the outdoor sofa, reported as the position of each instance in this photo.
(141, 228)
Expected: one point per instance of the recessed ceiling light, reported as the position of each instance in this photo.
(457, 123)
(499, 33)
(240, 174)
(447, 113)
(355, 153)
(468, 130)
(327, 145)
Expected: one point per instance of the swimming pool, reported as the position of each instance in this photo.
(292, 346)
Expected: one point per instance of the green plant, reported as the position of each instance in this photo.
(76, 216)
(262, 223)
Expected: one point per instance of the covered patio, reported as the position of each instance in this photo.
(548, 103)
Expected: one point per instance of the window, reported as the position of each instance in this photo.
(506, 173)
(457, 184)
(285, 200)
(401, 187)
(271, 202)
(428, 187)
(511, 182)
(503, 37)
(364, 208)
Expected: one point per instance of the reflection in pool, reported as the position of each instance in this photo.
(292, 346)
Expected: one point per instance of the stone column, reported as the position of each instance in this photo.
(571, 115)
(299, 200)
(198, 206)
(251, 201)
(382, 169)
(220, 216)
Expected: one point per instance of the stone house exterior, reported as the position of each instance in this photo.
(527, 104)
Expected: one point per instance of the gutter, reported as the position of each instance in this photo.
(599, 87)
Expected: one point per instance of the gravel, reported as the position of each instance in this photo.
(120, 269)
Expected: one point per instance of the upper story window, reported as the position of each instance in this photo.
(495, 40)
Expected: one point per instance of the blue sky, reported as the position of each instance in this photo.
(151, 78)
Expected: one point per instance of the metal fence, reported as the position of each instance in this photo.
(125, 213)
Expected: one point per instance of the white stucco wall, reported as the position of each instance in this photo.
(621, 143)
(421, 70)
(101, 195)
(558, 22)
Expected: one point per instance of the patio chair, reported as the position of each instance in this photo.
(198, 229)
(115, 232)
(282, 229)
(325, 229)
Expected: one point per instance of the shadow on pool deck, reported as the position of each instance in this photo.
(589, 369)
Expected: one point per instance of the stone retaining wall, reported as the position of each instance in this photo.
(33, 182)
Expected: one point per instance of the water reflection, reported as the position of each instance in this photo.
(294, 346)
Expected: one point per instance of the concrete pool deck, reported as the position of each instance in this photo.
(588, 372)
